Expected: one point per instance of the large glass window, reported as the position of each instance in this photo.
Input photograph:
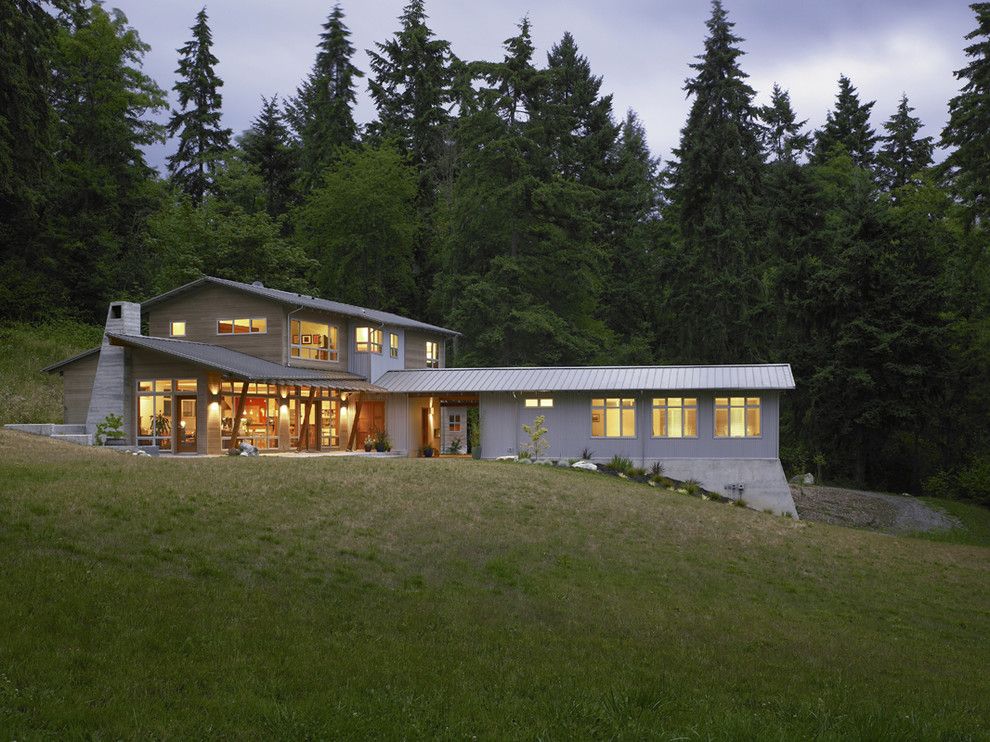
(367, 340)
(312, 341)
(154, 411)
(242, 326)
(675, 417)
(613, 417)
(432, 354)
(737, 417)
(259, 418)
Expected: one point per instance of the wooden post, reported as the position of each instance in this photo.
(238, 414)
(354, 422)
(304, 428)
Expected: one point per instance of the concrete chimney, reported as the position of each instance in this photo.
(110, 394)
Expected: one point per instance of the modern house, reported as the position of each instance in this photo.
(216, 362)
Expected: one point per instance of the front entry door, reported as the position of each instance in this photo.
(185, 424)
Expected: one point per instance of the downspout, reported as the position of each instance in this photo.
(649, 423)
(515, 403)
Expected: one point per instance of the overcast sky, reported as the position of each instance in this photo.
(640, 47)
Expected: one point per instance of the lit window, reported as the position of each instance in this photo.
(312, 341)
(393, 345)
(242, 326)
(177, 329)
(613, 417)
(737, 417)
(432, 354)
(539, 402)
(368, 340)
(454, 424)
(675, 417)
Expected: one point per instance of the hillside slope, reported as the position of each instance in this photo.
(421, 598)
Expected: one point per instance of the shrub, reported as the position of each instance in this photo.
(587, 454)
(454, 446)
(619, 464)
(657, 469)
(974, 481)
(636, 472)
(693, 487)
(112, 426)
(943, 484)
(537, 437)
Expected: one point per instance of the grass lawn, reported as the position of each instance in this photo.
(271, 597)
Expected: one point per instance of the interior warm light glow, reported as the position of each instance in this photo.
(214, 406)
(284, 409)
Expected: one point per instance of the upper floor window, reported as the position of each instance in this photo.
(432, 354)
(675, 417)
(312, 341)
(242, 326)
(539, 402)
(737, 417)
(393, 345)
(177, 329)
(367, 340)
(613, 417)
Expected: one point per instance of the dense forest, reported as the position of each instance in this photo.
(507, 199)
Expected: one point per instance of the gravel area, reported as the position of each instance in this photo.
(876, 511)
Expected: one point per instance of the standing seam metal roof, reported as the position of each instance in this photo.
(312, 302)
(589, 378)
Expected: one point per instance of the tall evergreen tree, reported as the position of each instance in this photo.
(968, 129)
(782, 135)
(713, 185)
(321, 113)
(104, 190)
(847, 126)
(27, 128)
(903, 153)
(202, 140)
(267, 146)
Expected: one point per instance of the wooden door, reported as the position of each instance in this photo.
(370, 421)
(184, 424)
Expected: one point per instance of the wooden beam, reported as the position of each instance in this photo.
(357, 414)
(238, 414)
(304, 428)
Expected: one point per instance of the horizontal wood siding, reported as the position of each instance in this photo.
(77, 387)
(200, 308)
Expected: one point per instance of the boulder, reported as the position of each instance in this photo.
(525, 461)
(247, 449)
(808, 478)
(584, 464)
(505, 458)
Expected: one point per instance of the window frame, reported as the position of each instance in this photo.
(682, 407)
(542, 403)
(333, 342)
(393, 345)
(250, 320)
(746, 407)
(434, 360)
(621, 407)
(171, 328)
(372, 346)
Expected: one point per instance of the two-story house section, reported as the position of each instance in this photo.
(215, 362)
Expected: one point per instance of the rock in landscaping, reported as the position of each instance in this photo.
(584, 464)
(505, 458)
(247, 449)
(525, 461)
(808, 478)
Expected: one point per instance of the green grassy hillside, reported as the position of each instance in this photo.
(330, 597)
(27, 396)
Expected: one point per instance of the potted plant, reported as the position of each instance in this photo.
(381, 441)
(428, 451)
(369, 443)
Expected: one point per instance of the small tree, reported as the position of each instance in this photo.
(537, 440)
(112, 426)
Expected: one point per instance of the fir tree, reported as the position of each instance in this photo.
(713, 187)
(202, 140)
(782, 136)
(411, 88)
(268, 147)
(903, 153)
(848, 127)
(322, 111)
(968, 129)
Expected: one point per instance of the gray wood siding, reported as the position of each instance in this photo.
(200, 309)
(77, 387)
(335, 320)
(415, 349)
(569, 426)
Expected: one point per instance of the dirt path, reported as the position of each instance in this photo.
(873, 510)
